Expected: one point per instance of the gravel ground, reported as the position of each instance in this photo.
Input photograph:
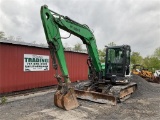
(143, 105)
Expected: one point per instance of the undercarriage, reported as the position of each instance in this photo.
(104, 93)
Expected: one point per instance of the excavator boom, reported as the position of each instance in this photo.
(52, 21)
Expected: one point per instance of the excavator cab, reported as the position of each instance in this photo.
(117, 63)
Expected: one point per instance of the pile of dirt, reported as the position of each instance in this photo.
(145, 89)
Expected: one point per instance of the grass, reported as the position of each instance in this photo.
(3, 100)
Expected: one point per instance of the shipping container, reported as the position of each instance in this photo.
(13, 77)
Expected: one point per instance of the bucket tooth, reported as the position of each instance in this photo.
(58, 99)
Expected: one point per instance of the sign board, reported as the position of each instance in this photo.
(36, 62)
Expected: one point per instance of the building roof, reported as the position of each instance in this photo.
(31, 45)
(22, 43)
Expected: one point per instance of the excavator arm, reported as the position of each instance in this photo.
(65, 96)
(52, 21)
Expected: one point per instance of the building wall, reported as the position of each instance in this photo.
(13, 77)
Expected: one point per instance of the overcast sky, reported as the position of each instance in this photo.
(133, 22)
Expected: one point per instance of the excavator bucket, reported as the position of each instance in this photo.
(66, 101)
(96, 97)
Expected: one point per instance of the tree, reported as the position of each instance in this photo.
(157, 53)
(136, 58)
(43, 44)
(11, 38)
(78, 47)
(152, 63)
(18, 38)
(102, 54)
(67, 47)
(2, 35)
(34, 42)
(112, 44)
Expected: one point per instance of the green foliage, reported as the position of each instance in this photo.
(78, 47)
(2, 35)
(3, 100)
(102, 54)
(157, 53)
(136, 58)
(152, 63)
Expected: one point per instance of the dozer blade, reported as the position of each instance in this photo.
(96, 97)
(66, 101)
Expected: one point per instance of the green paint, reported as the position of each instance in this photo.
(51, 27)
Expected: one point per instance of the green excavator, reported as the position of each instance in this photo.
(111, 84)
